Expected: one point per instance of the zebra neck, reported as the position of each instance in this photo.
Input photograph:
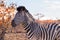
(33, 29)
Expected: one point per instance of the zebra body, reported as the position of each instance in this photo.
(34, 30)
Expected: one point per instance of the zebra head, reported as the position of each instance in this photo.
(22, 17)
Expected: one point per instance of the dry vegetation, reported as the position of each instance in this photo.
(9, 33)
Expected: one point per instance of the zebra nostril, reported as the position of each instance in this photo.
(13, 23)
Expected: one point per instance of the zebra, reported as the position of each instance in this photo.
(34, 30)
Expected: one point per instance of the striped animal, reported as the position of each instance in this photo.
(34, 30)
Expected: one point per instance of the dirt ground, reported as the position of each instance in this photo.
(15, 36)
(17, 33)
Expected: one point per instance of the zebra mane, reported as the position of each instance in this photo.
(30, 17)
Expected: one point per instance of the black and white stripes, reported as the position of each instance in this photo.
(52, 31)
(38, 32)
(35, 31)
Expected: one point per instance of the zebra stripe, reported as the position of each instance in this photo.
(34, 29)
(52, 32)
